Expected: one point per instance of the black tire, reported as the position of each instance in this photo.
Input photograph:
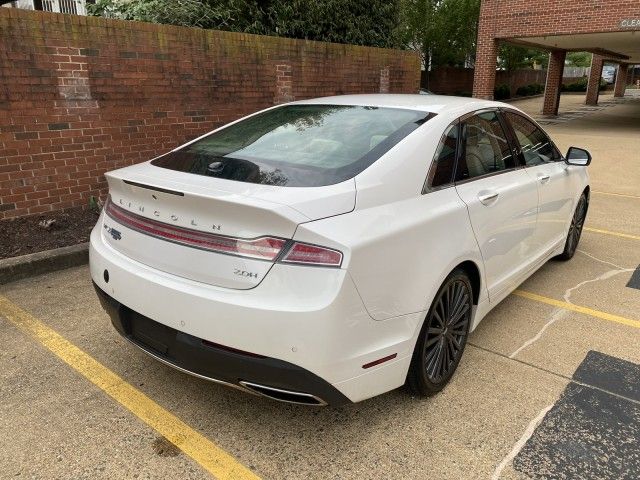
(575, 229)
(438, 350)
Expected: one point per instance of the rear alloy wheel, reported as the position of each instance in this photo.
(443, 336)
(575, 229)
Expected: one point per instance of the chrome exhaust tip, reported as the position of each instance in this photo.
(281, 395)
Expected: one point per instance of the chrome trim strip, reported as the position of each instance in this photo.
(249, 385)
(245, 387)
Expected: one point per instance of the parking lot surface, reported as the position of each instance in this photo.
(548, 386)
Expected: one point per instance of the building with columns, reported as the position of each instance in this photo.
(610, 29)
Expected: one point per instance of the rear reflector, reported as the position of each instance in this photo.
(263, 248)
(380, 360)
(303, 253)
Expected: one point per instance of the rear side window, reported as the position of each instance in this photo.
(535, 146)
(444, 162)
(297, 145)
(485, 147)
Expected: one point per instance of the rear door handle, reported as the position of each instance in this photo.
(487, 198)
(543, 178)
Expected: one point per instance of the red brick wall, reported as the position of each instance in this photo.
(451, 80)
(82, 95)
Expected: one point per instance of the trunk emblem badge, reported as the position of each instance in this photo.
(113, 232)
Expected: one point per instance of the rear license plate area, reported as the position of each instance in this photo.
(150, 334)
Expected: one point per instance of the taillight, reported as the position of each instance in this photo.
(306, 254)
(263, 248)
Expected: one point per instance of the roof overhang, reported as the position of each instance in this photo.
(622, 46)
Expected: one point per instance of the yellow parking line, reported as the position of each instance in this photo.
(626, 195)
(211, 457)
(616, 234)
(577, 308)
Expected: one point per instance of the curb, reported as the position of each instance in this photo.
(17, 268)
(517, 99)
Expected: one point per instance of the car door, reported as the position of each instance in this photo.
(501, 199)
(545, 165)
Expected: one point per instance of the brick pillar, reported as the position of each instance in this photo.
(554, 82)
(484, 75)
(621, 80)
(384, 80)
(284, 84)
(593, 87)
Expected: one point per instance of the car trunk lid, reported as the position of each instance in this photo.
(171, 220)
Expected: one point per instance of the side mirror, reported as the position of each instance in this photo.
(578, 156)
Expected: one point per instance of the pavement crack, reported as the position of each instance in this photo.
(526, 435)
(600, 260)
(559, 313)
(545, 370)
(555, 374)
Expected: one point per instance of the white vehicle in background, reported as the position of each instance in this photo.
(329, 250)
(609, 74)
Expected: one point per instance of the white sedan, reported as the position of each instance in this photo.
(329, 250)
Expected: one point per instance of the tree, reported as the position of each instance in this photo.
(442, 31)
(458, 24)
(579, 59)
(360, 22)
(512, 57)
(221, 14)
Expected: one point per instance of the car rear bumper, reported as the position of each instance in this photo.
(307, 328)
(250, 372)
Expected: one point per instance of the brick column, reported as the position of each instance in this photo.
(593, 87)
(484, 75)
(554, 82)
(384, 80)
(284, 84)
(621, 80)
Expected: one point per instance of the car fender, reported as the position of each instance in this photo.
(398, 254)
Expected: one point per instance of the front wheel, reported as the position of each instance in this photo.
(443, 336)
(575, 229)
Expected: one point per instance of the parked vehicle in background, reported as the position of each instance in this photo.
(330, 250)
(609, 74)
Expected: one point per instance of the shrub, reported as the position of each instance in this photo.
(538, 88)
(521, 92)
(528, 90)
(502, 92)
(577, 86)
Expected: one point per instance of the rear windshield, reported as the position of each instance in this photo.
(297, 145)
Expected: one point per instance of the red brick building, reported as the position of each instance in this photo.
(610, 29)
